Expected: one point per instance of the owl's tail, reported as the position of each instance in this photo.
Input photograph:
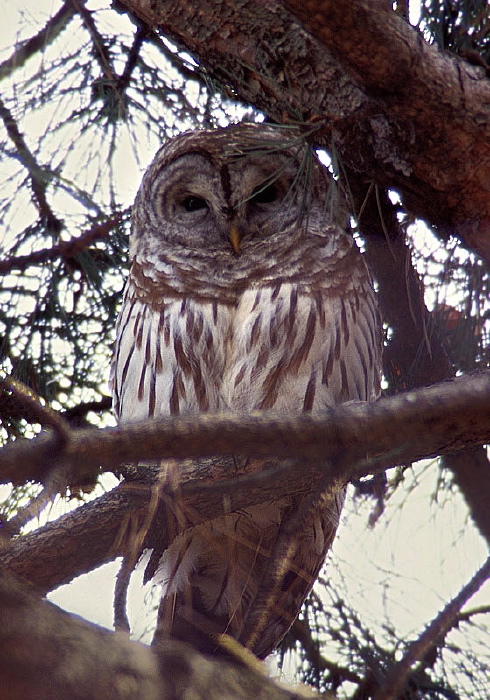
(224, 577)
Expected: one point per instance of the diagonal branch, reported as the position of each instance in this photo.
(39, 176)
(393, 685)
(434, 99)
(101, 53)
(53, 27)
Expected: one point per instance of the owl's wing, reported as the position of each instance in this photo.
(280, 348)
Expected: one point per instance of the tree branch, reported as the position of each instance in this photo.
(435, 99)
(442, 418)
(65, 249)
(393, 685)
(414, 355)
(353, 441)
(39, 177)
(40, 41)
(101, 53)
(311, 647)
(46, 653)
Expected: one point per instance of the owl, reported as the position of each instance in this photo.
(242, 296)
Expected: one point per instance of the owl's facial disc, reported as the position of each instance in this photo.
(204, 204)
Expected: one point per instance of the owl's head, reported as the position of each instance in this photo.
(229, 192)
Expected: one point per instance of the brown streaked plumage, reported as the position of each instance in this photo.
(242, 295)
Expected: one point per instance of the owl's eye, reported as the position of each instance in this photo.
(193, 203)
(264, 195)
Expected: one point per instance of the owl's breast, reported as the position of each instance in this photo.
(292, 348)
(271, 348)
(169, 357)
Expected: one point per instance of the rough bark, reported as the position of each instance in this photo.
(393, 107)
(430, 421)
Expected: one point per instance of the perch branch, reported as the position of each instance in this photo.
(444, 417)
(370, 437)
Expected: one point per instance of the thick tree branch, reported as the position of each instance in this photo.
(90, 536)
(394, 430)
(394, 108)
(46, 653)
(386, 59)
(355, 440)
(471, 473)
(438, 101)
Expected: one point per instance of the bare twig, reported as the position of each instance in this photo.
(132, 61)
(302, 633)
(432, 635)
(48, 34)
(468, 614)
(38, 176)
(101, 52)
(66, 249)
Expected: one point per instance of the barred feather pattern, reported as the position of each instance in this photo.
(287, 323)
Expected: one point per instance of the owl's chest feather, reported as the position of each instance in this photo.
(277, 348)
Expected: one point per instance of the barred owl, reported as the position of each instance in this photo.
(242, 296)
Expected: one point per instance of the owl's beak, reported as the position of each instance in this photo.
(234, 236)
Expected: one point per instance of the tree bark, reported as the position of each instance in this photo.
(394, 430)
(368, 86)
